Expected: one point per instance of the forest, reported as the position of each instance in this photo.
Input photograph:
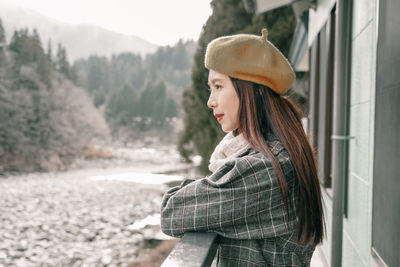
(51, 111)
(138, 94)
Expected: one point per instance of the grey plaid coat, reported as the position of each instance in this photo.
(242, 203)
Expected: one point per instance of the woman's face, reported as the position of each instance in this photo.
(223, 100)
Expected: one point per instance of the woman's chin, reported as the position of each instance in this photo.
(227, 129)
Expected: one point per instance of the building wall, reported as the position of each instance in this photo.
(357, 226)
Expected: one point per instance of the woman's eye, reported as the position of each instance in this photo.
(215, 87)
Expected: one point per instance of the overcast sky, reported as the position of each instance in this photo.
(161, 22)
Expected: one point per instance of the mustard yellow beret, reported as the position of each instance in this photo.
(251, 58)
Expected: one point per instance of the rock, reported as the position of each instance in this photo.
(106, 259)
(67, 219)
(15, 254)
(3, 255)
(22, 246)
(23, 262)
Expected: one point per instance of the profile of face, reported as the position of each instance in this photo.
(223, 100)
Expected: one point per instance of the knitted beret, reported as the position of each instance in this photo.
(251, 58)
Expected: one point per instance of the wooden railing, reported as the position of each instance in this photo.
(193, 250)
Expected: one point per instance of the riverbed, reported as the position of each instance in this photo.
(93, 215)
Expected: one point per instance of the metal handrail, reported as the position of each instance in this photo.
(193, 250)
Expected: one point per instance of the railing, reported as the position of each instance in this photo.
(193, 250)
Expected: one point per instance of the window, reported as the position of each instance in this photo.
(321, 97)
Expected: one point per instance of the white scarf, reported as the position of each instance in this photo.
(228, 148)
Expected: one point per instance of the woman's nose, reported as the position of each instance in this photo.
(211, 101)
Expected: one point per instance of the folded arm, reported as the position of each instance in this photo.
(240, 200)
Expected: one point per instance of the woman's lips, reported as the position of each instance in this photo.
(219, 117)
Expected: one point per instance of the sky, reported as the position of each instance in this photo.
(162, 22)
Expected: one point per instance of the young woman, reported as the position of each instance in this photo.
(263, 197)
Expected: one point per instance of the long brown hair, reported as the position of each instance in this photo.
(263, 112)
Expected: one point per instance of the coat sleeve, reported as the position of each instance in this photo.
(237, 201)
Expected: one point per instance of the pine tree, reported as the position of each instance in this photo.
(172, 108)
(62, 62)
(2, 36)
(44, 68)
(180, 56)
(121, 108)
(94, 79)
(27, 46)
(2, 43)
(49, 51)
(36, 38)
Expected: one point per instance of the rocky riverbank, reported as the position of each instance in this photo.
(69, 219)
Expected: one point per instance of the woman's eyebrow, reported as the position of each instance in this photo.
(215, 80)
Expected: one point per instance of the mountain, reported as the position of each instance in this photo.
(80, 40)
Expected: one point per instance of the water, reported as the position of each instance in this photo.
(138, 177)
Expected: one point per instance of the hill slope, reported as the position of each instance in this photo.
(79, 40)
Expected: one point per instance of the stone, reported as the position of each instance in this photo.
(3, 254)
(106, 259)
(66, 219)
